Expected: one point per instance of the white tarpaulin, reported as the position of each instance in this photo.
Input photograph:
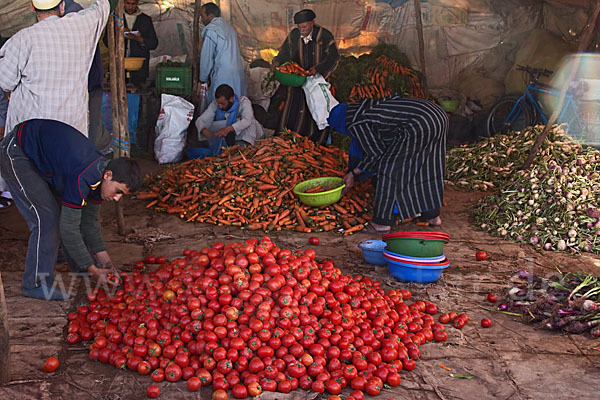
(459, 36)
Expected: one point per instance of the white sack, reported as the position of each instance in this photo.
(319, 99)
(171, 127)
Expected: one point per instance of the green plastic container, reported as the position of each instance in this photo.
(322, 198)
(290, 79)
(414, 247)
(174, 78)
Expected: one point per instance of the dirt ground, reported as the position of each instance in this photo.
(509, 360)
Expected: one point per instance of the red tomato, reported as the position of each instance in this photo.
(153, 391)
(486, 322)
(492, 298)
(313, 240)
(219, 394)
(150, 260)
(481, 255)
(193, 384)
(51, 364)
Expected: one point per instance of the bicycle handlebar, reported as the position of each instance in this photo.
(535, 72)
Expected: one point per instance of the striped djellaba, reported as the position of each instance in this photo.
(404, 143)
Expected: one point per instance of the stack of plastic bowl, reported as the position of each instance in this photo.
(373, 251)
(416, 256)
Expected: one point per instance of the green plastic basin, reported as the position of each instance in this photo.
(415, 247)
(333, 195)
(290, 79)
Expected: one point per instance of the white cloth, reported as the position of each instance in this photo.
(46, 66)
(307, 38)
(246, 127)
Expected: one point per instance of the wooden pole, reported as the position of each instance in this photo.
(417, 4)
(116, 40)
(4, 340)
(584, 42)
(196, 45)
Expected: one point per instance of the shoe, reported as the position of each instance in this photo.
(372, 229)
(5, 202)
(45, 293)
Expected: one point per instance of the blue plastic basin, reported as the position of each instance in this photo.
(373, 251)
(415, 273)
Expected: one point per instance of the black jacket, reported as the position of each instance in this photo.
(143, 24)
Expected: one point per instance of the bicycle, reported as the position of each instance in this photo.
(514, 112)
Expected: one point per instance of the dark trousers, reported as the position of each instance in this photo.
(36, 202)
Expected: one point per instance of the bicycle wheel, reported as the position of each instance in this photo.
(506, 115)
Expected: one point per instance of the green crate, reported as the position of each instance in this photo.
(174, 78)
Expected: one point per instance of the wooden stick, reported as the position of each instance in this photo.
(4, 340)
(421, 44)
(196, 44)
(583, 44)
(116, 41)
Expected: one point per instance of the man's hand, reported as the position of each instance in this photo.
(312, 71)
(134, 35)
(224, 131)
(208, 134)
(274, 65)
(2, 132)
(348, 180)
(100, 275)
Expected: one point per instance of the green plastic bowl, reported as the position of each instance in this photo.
(449, 105)
(322, 198)
(290, 79)
(414, 247)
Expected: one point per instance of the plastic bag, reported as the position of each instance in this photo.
(171, 127)
(203, 100)
(319, 99)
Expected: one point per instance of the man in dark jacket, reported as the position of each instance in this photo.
(313, 48)
(140, 38)
(58, 180)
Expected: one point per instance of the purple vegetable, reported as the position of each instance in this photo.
(503, 307)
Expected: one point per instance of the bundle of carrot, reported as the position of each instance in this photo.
(395, 67)
(252, 188)
(378, 77)
(292, 67)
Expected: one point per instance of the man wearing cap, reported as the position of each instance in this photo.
(46, 65)
(313, 48)
(220, 59)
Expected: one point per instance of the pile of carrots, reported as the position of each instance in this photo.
(378, 76)
(252, 188)
(292, 67)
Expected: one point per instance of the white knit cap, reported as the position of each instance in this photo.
(45, 4)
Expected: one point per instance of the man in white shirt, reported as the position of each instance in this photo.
(228, 120)
(46, 65)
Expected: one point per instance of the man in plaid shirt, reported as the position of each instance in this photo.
(46, 65)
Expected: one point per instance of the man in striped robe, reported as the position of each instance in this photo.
(313, 48)
(403, 141)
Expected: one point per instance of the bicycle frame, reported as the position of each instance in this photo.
(528, 96)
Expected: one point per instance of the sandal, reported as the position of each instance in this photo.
(371, 229)
(5, 202)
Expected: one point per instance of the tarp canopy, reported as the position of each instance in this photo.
(464, 39)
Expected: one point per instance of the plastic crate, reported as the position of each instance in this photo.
(174, 78)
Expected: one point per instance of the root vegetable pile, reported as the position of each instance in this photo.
(383, 71)
(489, 164)
(555, 206)
(566, 302)
(251, 317)
(252, 188)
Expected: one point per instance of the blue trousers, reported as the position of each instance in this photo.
(36, 202)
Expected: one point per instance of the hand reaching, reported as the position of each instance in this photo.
(348, 180)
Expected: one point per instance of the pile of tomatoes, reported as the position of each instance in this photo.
(251, 317)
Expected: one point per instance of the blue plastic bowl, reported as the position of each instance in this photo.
(415, 273)
(373, 251)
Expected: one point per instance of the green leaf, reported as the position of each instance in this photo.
(457, 376)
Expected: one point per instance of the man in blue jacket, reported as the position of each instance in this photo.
(58, 179)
